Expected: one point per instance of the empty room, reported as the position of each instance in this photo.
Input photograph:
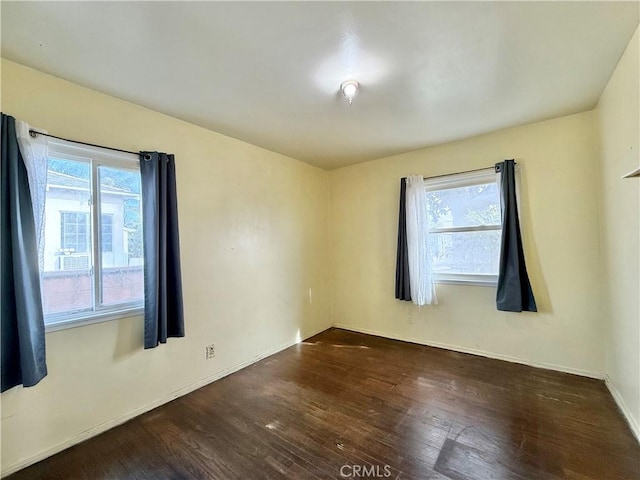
(320, 240)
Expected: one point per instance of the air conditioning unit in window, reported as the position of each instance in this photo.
(74, 262)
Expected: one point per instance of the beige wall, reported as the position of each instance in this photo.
(619, 125)
(560, 220)
(253, 238)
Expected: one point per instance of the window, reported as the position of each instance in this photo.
(75, 231)
(106, 227)
(465, 227)
(91, 259)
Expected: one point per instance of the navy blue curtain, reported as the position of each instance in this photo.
(514, 289)
(403, 285)
(22, 323)
(163, 310)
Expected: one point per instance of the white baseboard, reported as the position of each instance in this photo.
(626, 413)
(103, 427)
(482, 353)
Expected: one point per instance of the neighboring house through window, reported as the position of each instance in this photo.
(92, 257)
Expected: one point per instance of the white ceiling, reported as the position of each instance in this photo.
(269, 72)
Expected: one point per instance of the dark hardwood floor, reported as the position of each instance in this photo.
(367, 407)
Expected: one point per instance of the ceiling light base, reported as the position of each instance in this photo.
(349, 89)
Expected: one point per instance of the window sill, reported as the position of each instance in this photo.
(469, 280)
(81, 320)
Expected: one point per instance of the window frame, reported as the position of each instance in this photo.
(95, 157)
(460, 180)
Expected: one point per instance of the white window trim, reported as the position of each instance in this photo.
(98, 154)
(470, 279)
(458, 180)
(464, 179)
(96, 157)
(65, 321)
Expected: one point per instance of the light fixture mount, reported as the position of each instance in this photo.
(349, 89)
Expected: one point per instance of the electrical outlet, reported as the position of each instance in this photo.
(210, 351)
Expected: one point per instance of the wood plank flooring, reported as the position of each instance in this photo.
(347, 405)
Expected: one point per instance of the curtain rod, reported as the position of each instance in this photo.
(466, 171)
(458, 173)
(34, 133)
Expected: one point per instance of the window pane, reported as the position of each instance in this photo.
(121, 236)
(464, 206)
(66, 261)
(466, 252)
(107, 232)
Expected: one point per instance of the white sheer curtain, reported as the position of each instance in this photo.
(423, 290)
(35, 154)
